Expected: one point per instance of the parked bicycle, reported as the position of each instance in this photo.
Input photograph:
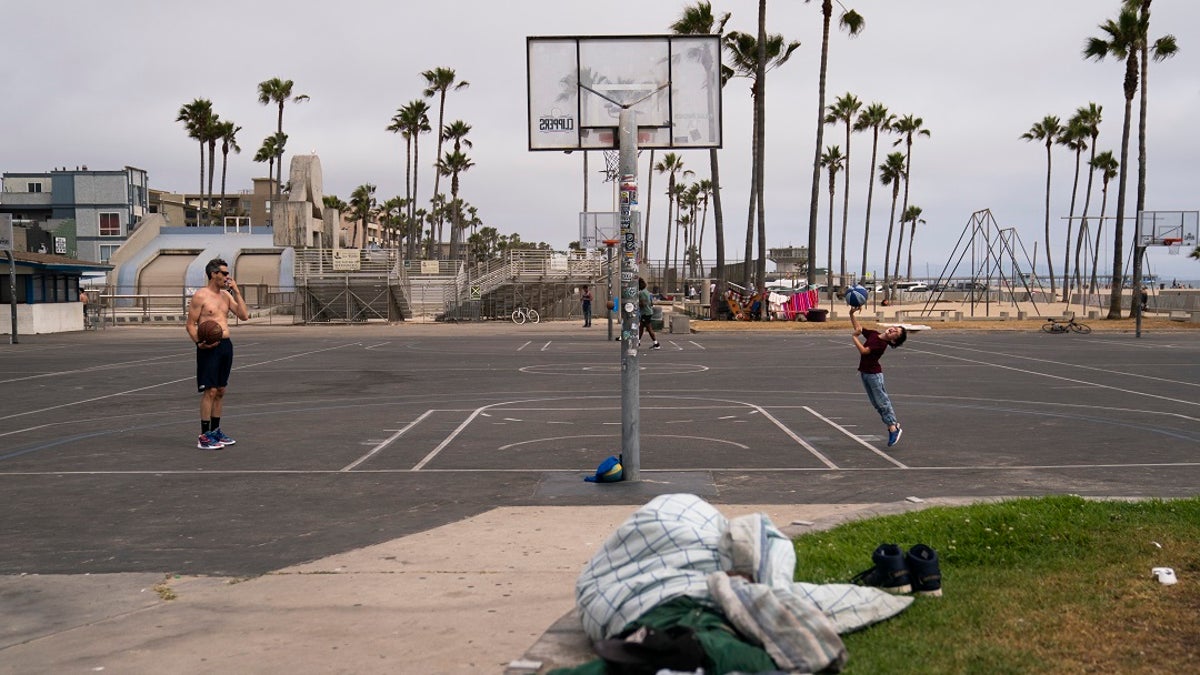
(522, 314)
(1053, 325)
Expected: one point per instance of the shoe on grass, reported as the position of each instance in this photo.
(889, 573)
(923, 571)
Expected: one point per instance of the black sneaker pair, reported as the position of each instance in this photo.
(895, 571)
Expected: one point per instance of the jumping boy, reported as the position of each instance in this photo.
(872, 346)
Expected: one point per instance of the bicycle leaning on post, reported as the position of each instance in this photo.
(1053, 325)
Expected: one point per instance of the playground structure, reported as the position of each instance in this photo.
(1001, 271)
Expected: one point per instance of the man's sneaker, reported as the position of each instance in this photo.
(207, 442)
(221, 438)
(923, 570)
(656, 346)
(894, 436)
(889, 572)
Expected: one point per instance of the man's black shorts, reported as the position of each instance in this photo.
(213, 365)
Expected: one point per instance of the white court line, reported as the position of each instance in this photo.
(91, 369)
(561, 438)
(386, 442)
(1070, 365)
(525, 345)
(697, 344)
(545, 346)
(709, 469)
(794, 436)
(163, 384)
(858, 440)
(1059, 377)
(378, 345)
(676, 345)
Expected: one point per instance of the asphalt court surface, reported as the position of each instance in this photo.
(349, 436)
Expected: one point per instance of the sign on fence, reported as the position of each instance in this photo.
(346, 260)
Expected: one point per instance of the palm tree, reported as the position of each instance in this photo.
(1163, 48)
(891, 172)
(454, 164)
(1087, 118)
(911, 215)
(672, 165)
(411, 121)
(271, 149)
(197, 117)
(278, 91)
(211, 134)
(699, 19)
(853, 23)
(844, 110)
(228, 134)
(1074, 137)
(707, 194)
(744, 57)
(876, 118)
(1121, 41)
(907, 126)
(438, 81)
(1046, 131)
(391, 217)
(362, 206)
(1106, 164)
(832, 160)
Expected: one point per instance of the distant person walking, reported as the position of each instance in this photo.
(872, 346)
(214, 360)
(646, 312)
(585, 298)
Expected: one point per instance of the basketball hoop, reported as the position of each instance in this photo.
(611, 242)
(1173, 245)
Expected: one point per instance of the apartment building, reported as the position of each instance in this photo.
(78, 213)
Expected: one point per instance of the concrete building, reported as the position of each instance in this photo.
(81, 214)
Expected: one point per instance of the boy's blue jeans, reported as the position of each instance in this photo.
(873, 383)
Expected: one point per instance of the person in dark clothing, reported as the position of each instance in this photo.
(871, 346)
(585, 299)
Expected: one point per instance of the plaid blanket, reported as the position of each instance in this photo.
(669, 548)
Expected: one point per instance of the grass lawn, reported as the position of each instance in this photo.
(1053, 584)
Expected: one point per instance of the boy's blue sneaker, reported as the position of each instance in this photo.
(889, 573)
(923, 570)
(221, 438)
(894, 436)
(207, 442)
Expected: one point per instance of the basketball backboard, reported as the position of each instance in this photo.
(578, 85)
(597, 226)
(1168, 228)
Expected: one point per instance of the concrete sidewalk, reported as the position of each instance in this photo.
(469, 597)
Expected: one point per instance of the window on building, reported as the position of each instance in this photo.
(110, 224)
(107, 251)
(35, 187)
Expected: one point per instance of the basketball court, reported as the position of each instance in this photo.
(350, 436)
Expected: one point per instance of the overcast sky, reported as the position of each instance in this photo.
(101, 85)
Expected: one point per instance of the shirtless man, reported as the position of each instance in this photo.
(214, 360)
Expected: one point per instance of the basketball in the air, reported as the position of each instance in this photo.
(856, 296)
(209, 331)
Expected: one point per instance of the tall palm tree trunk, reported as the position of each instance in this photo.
(1114, 300)
(1067, 242)
(826, 13)
(870, 196)
(645, 252)
(1049, 260)
(718, 227)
